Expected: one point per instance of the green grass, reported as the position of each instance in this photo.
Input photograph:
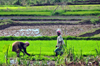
(25, 13)
(48, 47)
(82, 13)
(48, 10)
(68, 13)
(87, 46)
(68, 7)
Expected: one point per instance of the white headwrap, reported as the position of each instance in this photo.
(27, 43)
(58, 30)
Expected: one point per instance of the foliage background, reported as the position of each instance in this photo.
(38, 2)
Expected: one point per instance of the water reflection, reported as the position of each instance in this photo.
(21, 32)
(28, 32)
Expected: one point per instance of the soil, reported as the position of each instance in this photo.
(90, 34)
(47, 17)
(90, 62)
(49, 30)
(46, 28)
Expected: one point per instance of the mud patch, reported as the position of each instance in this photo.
(46, 30)
(90, 34)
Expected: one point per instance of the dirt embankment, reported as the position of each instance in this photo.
(46, 19)
(4, 26)
(90, 34)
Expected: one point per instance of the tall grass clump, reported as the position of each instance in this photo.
(6, 51)
(61, 57)
(97, 50)
(70, 57)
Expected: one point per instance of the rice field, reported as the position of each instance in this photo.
(68, 7)
(25, 13)
(50, 10)
(82, 13)
(47, 47)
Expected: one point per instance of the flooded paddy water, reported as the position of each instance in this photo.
(14, 62)
(28, 32)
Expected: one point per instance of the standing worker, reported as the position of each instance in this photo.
(19, 46)
(60, 43)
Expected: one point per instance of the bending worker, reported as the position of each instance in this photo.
(60, 44)
(19, 46)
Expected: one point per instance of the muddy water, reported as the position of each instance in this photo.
(14, 62)
(22, 32)
(28, 32)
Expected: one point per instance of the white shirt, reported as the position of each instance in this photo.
(59, 40)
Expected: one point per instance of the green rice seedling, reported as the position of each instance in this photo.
(47, 10)
(44, 63)
(25, 13)
(97, 49)
(87, 46)
(40, 51)
(19, 61)
(25, 61)
(67, 55)
(70, 54)
(36, 63)
(81, 55)
(61, 58)
(28, 62)
(81, 13)
(6, 51)
(39, 8)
